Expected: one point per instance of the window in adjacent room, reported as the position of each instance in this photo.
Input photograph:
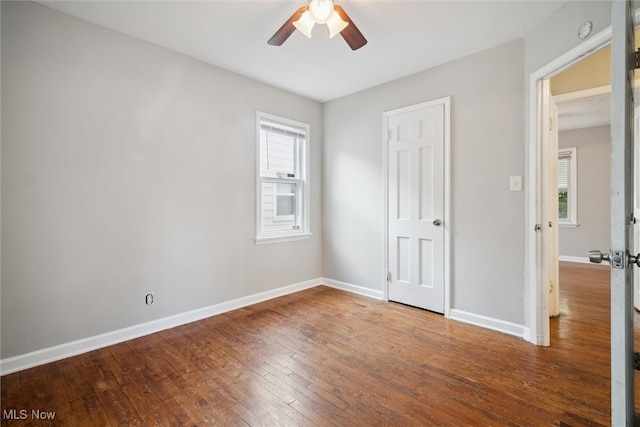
(282, 189)
(567, 187)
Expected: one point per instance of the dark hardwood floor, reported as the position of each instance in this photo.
(327, 357)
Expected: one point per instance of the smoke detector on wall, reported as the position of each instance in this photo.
(585, 30)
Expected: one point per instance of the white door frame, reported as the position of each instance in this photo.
(537, 292)
(636, 207)
(446, 102)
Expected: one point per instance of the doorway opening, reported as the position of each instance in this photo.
(582, 97)
(542, 221)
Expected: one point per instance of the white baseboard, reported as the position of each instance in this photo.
(62, 351)
(581, 260)
(355, 289)
(527, 335)
(490, 323)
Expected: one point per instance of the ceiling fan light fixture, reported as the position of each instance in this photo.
(321, 10)
(336, 24)
(305, 24)
(337, 20)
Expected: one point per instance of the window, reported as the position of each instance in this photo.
(282, 189)
(567, 187)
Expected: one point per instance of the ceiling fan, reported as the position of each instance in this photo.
(320, 12)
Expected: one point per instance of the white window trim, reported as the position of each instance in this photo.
(572, 201)
(305, 231)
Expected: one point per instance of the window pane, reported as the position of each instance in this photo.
(563, 205)
(279, 212)
(563, 173)
(286, 199)
(277, 156)
(279, 146)
(567, 185)
(286, 188)
(285, 205)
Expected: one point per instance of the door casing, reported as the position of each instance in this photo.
(537, 330)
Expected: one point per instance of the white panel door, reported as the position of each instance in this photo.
(623, 261)
(550, 218)
(416, 143)
(622, 209)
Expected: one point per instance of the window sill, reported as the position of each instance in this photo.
(568, 224)
(282, 238)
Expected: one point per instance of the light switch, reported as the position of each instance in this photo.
(515, 183)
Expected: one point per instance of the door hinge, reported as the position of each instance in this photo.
(636, 360)
(389, 276)
(636, 59)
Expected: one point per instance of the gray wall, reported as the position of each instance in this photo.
(127, 168)
(559, 34)
(593, 150)
(486, 148)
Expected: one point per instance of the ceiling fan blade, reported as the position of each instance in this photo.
(350, 34)
(287, 28)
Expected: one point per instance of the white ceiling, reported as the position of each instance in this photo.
(588, 108)
(584, 112)
(405, 37)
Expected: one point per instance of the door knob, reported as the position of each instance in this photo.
(437, 222)
(597, 257)
(618, 259)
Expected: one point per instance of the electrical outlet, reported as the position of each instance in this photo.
(148, 299)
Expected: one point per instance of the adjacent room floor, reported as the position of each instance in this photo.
(328, 357)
